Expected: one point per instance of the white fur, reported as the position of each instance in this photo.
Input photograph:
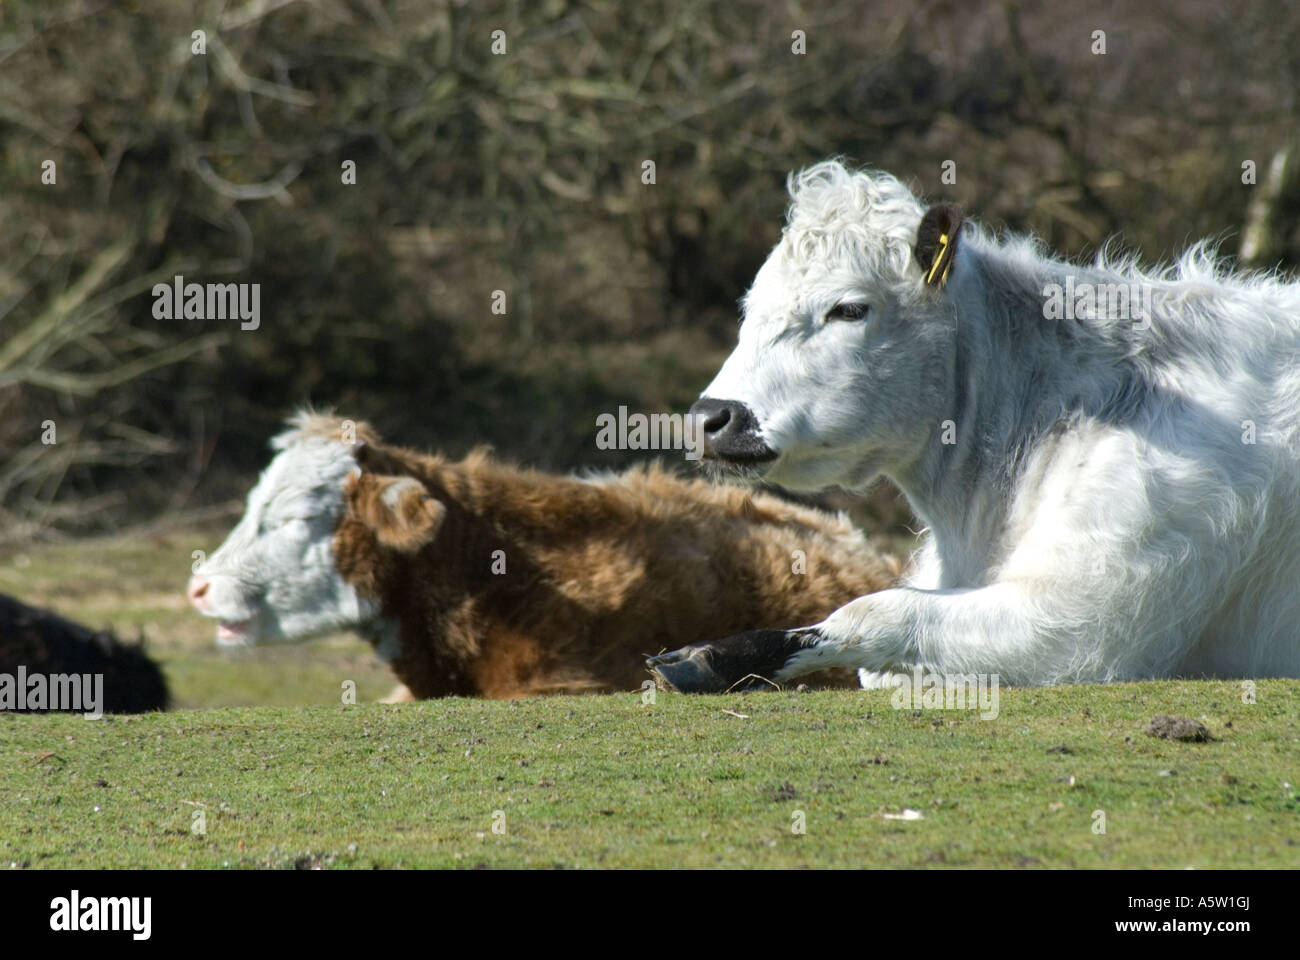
(1099, 516)
(275, 577)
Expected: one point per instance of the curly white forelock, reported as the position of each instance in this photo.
(838, 213)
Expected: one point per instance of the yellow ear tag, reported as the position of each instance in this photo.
(938, 257)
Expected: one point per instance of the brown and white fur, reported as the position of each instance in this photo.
(475, 578)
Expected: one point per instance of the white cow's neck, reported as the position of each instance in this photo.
(1015, 377)
(966, 523)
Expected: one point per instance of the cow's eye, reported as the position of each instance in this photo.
(848, 311)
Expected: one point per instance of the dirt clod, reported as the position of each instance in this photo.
(785, 791)
(1177, 728)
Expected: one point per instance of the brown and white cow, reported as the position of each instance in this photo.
(475, 578)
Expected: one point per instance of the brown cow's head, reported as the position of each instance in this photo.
(276, 576)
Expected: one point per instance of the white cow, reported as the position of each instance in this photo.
(1107, 460)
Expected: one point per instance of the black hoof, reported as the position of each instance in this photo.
(687, 670)
(746, 661)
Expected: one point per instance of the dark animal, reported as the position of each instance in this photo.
(43, 642)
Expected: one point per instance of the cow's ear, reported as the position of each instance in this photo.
(936, 242)
(373, 457)
(398, 510)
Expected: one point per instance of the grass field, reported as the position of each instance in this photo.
(606, 781)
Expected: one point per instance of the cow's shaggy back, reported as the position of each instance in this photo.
(540, 583)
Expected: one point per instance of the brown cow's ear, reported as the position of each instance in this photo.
(936, 242)
(373, 457)
(398, 510)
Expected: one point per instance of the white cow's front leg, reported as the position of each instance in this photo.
(982, 630)
(950, 631)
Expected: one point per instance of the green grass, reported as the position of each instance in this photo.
(605, 781)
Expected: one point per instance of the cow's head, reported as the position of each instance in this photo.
(277, 576)
(845, 356)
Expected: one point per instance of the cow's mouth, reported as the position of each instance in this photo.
(754, 456)
(235, 633)
(745, 470)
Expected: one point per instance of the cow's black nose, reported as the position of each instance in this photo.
(731, 431)
(714, 414)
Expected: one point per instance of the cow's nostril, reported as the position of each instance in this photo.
(717, 420)
(714, 415)
(198, 587)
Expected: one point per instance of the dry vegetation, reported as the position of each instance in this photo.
(522, 173)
